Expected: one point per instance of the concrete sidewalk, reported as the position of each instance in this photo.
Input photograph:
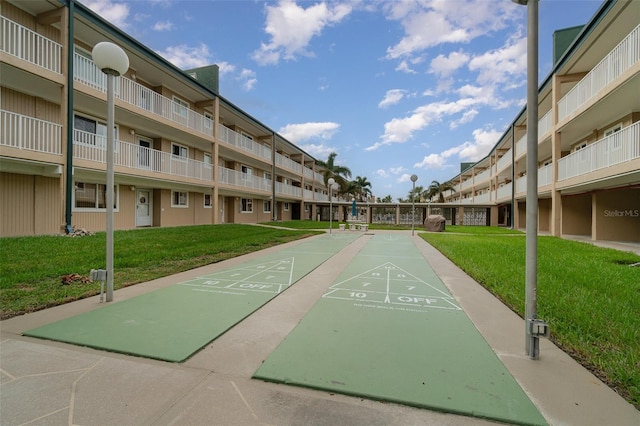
(45, 382)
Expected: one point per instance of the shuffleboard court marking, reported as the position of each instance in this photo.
(268, 277)
(393, 287)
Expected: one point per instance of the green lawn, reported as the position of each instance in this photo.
(31, 267)
(589, 295)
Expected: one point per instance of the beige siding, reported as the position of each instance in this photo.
(617, 215)
(576, 215)
(29, 205)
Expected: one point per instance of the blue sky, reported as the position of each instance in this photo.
(393, 87)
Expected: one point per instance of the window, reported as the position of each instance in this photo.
(207, 158)
(180, 151)
(246, 205)
(208, 121)
(616, 141)
(88, 131)
(179, 199)
(286, 207)
(580, 146)
(180, 107)
(267, 175)
(92, 196)
(207, 201)
(266, 206)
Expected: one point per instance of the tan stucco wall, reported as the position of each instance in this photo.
(576, 214)
(617, 215)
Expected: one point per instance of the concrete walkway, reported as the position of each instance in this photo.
(45, 382)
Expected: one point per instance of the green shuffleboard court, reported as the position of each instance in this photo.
(173, 323)
(388, 329)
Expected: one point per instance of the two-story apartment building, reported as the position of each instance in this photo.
(184, 155)
(588, 141)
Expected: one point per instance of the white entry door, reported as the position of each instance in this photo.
(144, 212)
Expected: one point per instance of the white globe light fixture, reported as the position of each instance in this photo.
(112, 60)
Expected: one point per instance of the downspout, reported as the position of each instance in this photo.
(69, 160)
(274, 203)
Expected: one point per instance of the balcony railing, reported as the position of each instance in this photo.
(308, 173)
(238, 140)
(504, 191)
(244, 180)
(86, 72)
(29, 46)
(482, 176)
(89, 146)
(505, 160)
(614, 149)
(544, 125)
(290, 190)
(288, 163)
(32, 134)
(620, 59)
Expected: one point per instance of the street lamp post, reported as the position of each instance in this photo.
(533, 327)
(331, 182)
(414, 178)
(112, 60)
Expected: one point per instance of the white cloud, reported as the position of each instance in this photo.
(114, 12)
(382, 173)
(185, 57)
(248, 79)
(476, 150)
(444, 66)
(501, 65)
(392, 97)
(467, 117)
(163, 26)
(318, 150)
(305, 131)
(432, 23)
(225, 68)
(291, 28)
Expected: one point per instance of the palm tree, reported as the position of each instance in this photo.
(331, 170)
(416, 194)
(360, 187)
(437, 189)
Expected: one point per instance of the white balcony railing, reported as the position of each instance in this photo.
(545, 175)
(244, 180)
(482, 198)
(504, 191)
(287, 163)
(239, 140)
(32, 134)
(505, 160)
(86, 72)
(89, 146)
(544, 125)
(290, 190)
(308, 173)
(29, 46)
(483, 176)
(521, 145)
(614, 149)
(620, 59)
(466, 184)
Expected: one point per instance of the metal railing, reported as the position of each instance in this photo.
(32, 134)
(244, 180)
(21, 42)
(620, 59)
(288, 163)
(86, 72)
(504, 161)
(614, 149)
(92, 147)
(290, 190)
(244, 143)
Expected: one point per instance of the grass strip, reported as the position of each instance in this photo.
(31, 268)
(589, 295)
